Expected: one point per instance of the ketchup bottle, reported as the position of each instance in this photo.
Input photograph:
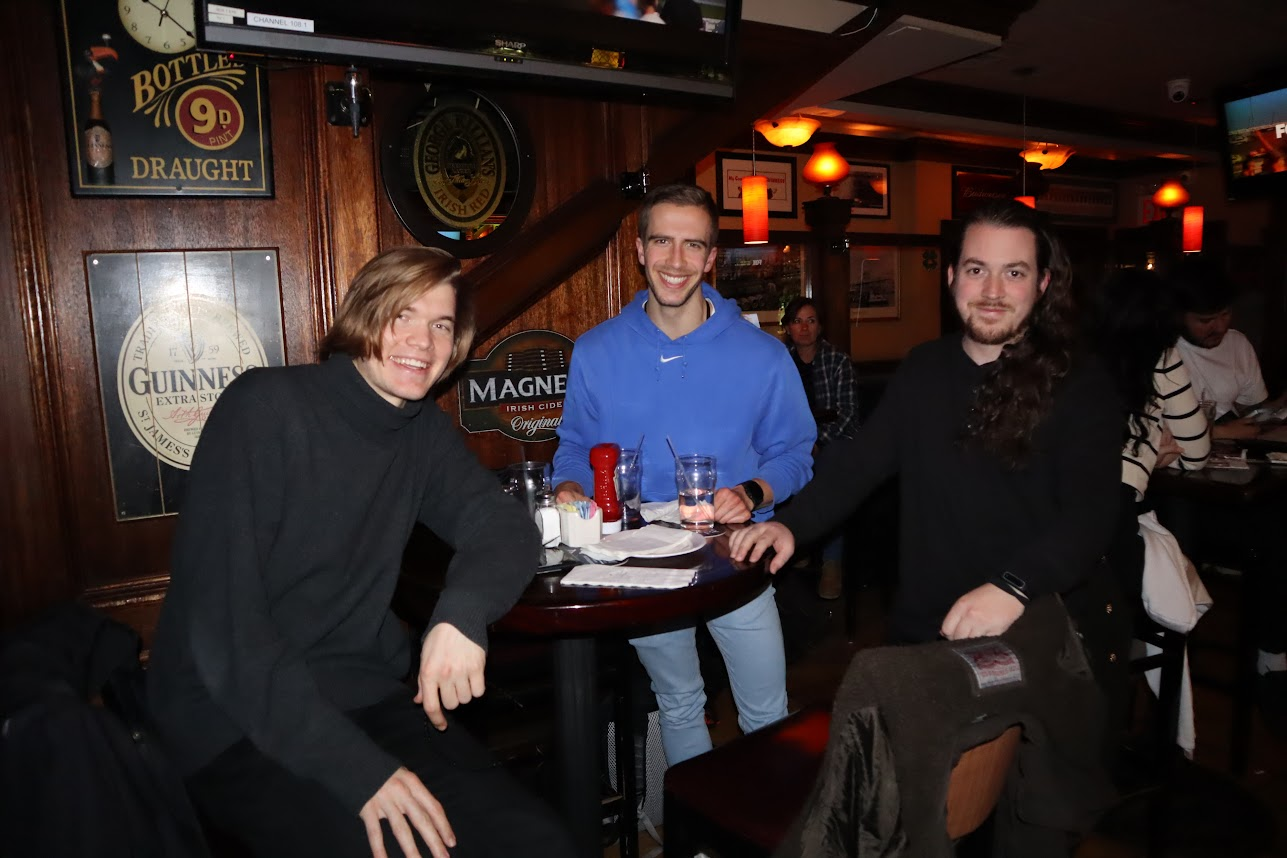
(603, 459)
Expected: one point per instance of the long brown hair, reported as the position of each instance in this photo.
(384, 288)
(1017, 391)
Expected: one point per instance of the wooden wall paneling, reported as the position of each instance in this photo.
(59, 480)
(33, 559)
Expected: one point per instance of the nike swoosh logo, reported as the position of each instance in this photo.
(669, 359)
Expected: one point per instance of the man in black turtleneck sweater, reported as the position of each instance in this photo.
(276, 678)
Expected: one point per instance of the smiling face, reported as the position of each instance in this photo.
(996, 283)
(414, 348)
(676, 253)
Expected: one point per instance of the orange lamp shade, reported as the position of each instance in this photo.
(1191, 229)
(1171, 195)
(1030, 202)
(755, 210)
(826, 166)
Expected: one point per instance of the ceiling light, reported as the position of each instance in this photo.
(1171, 195)
(825, 167)
(1048, 156)
(787, 131)
(755, 209)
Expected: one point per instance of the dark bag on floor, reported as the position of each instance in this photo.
(75, 778)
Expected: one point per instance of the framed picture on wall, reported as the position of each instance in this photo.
(974, 186)
(868, 187)
(147, 114)
(730, 169)
(762, 278)
(873, 282)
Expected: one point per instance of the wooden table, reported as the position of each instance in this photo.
(1247, 494)
(577, 618)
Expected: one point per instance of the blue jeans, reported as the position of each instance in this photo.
(750, 640)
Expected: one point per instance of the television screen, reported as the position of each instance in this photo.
(1254, 123)
(648, 47)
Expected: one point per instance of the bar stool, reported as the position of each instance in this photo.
(742, 798)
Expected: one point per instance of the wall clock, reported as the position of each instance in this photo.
(164, 26)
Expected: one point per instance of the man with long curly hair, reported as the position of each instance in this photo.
(1007, 442)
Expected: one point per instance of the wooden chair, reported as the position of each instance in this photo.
(741, 799)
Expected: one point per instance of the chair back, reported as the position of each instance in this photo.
(976, 781)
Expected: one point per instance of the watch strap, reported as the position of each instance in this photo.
(1012, 584)
(754, 493)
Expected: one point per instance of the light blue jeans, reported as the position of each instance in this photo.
(750, 639)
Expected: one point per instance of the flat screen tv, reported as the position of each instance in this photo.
(628, 48)
(1254, 133)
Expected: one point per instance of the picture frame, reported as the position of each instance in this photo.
(731, 168)
(867, 186)
(762, 278)
(874, 291)
(198, 127)
(1079, 200)
(974, 186)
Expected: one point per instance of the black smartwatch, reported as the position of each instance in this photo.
(754, 493)
(1014, 585)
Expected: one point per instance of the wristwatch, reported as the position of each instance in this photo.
(754, 493)
(1014, 585)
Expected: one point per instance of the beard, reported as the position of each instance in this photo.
(668, 297)
(994, 334)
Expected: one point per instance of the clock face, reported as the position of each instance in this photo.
(164, 26)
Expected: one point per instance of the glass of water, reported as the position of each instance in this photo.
(629, 475)
(695, 483)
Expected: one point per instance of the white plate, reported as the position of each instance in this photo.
(650, 541)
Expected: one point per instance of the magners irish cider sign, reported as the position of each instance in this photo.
(518, 388)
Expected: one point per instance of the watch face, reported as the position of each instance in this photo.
(164, 26)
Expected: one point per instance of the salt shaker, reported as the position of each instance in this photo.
(603, 459)
(547, 519)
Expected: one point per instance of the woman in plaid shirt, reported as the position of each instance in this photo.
(832, 389)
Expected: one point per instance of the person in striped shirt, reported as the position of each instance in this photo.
(1165, 424)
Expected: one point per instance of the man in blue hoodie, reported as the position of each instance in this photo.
(681, 362)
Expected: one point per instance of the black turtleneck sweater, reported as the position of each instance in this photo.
(967, 517)
(303, 492)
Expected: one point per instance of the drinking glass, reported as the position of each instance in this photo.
(695, 483)
(629, 479)
(528, 481)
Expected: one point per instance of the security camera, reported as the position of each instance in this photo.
(1178, 89)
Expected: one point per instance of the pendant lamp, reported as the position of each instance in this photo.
(755, 204)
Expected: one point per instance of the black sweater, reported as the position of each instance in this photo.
(966, 517)
(304, 489)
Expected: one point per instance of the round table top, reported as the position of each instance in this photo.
(549, 608)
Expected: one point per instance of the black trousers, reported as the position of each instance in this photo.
(277, 814)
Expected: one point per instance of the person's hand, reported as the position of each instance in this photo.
(750, 543)
(1242, 429)
(1168, 449)
(404, 797)
(568, 492)
(451, 672)
(983, 612)
(732, 506)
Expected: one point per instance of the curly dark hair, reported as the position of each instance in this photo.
(1135, 323)
(1017, 391)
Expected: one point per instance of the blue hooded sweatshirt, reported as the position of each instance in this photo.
(726, 389)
